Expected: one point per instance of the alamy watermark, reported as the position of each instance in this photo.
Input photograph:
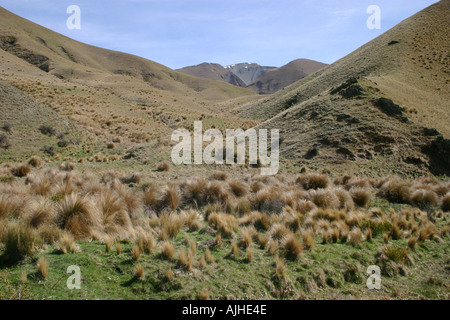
(374, 280)
(235, 151)
(74, 281)
(374, 20)
(74, 20)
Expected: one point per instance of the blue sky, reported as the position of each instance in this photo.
(179, 33)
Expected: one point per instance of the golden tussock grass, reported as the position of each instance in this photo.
(163, 167)
(204, 294)
(219, 175)
(42, 267)
(192, 220)
(202, 262)
(273, 247)
(216, 192)
(355, 237)
(427, 232)
(249, 254)
(225, 224)
(194, 190)
(313, 181)
(167, 250)
(20, 170)
(412, 243)
(67, 243)
(308, 239)
(41, 213)
(108, 244)
(136, 253)
(280, 268)
(325, 199)
(239, 188)
(21, 240)
(246, 237)
(139, 272)
(169, 199)
(169, 274)
(35, 161)
(170, 225)
(292, 247)
(234, 250)
(361, 197)
(119, 249)
(423, 198)
(78, 215)
(208, 256)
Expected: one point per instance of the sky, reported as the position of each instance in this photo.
(179, 33)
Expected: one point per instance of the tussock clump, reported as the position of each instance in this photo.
(446, 203)
(355, 236)
(35, 161)
(219, 175)
(427, 232)
(308, 239)
(170, 225)
(139, 272)
(345, 199)
(42, 212)
(113, 214)
(21, 240)
(167, 250)
(243, 207)
(239, 188)
(234, 250)
(42, 267)
(263, 239)
(261, 221)
(423, 198)
(412, 243)
(194, 190)
(313, 181)
(163, 167)
(395, 189)
(170, 199)
(135, 253)
(20, 170)
(361, 197)
(279, 232)
(268, 200)
(150, 197)
(225, 224)
(204, 294)
(67, 243)
(208, 256)
(192, 220)
(325, 199)
(7, 206)
(292, 247)
(67, 166)
(135, 178)
(77, 215)
(249, 253)
(246, 237)
(216, 192)
(280, 268)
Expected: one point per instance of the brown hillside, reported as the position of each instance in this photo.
(279, 78)
(378, 122)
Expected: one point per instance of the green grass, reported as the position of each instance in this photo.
(328, 271)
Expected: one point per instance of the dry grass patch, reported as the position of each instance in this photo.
(42, 267)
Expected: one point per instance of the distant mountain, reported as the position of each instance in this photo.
(276, 79)
(213, 71)
(248, 72)
(260, 79)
